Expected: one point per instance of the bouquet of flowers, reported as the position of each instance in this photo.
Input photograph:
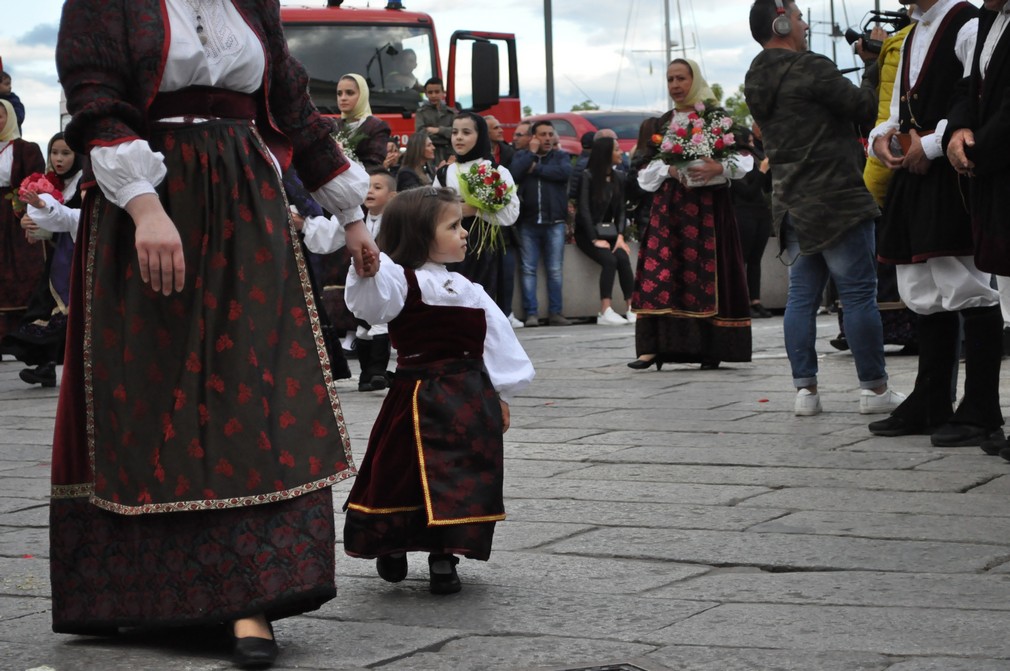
(483, 187)
(38, 184)
(705, 135)
(348, 139)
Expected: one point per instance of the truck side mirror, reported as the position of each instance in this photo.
(484, 75)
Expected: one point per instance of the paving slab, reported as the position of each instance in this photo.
(715, 454)
(889, 631)
(907, 480)
(985, 591)
(970, 503)
(783, 551)
(895, 526)
(627, 490)
(657, 515)
(730, 658)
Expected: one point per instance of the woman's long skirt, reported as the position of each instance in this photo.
(22, 266)
(691, 286)
(197, 434)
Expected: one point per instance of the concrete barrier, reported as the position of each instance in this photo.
(581, 281)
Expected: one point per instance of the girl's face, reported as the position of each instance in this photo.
(3, 117)
(347, 94)
(449, 243)
(464, 135)
(617, 154)
(678, 81)
(61, 157)
(429, 150)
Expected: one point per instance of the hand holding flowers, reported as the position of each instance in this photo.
(483, 188)
(698, 142)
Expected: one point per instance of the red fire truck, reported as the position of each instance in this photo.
(396, 51)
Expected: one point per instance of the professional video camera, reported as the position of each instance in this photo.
(893, 22)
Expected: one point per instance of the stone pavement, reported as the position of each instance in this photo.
(683, 519)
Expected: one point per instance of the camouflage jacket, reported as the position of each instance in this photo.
(808, 114)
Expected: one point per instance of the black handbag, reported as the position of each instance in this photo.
(606, 230)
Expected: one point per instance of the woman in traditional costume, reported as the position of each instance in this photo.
(690, 285)
(198, 430)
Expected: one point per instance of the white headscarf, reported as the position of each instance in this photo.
(10, 131)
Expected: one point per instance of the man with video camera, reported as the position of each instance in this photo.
(976, 140)
(926, 232)
(807, 111)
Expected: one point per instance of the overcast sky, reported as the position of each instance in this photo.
(609, 51)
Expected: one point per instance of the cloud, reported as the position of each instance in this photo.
(44, 34)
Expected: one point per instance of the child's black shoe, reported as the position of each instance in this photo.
(392, 568)
(442, 575)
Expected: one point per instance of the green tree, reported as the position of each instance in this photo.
(736, 105)
(585, 105)
(527, 111)
(717, 90)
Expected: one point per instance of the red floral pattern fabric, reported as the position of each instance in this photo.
(22, 265)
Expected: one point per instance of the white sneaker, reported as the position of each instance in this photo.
(516, 324)
(610, 318)
(871, 403)
(808, 403)
(631, 317)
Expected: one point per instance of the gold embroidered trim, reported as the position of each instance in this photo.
(382, 511)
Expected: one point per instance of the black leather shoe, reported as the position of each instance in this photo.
(252, 652)
(995, 443)
(390, 568)
(443, 583)
(958, 435)
(893, 426)
(709, 365)
(840, 343)
(44, 374)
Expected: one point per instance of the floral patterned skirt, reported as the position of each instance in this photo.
(197, 434)
(690, 285)
(431, 479)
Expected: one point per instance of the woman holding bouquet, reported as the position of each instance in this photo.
(39, 339)
(471, 145)
(22, 264)
(690, 286)
(366, 136)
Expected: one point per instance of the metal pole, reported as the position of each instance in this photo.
(549, 44)
(680, 19)
(834, 44)
(666, 44)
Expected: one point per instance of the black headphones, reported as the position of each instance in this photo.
(781, 26)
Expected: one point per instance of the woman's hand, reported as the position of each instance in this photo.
(29, 227)
(506, 416)
(602, 244)
(358, 239)
(159, 247)
(708, 170)
(33, 199)
(369, 263)
(673, 172)
(623, 244)
(298, 221)
(469, 210)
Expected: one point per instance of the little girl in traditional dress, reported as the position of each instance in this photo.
(431, 479)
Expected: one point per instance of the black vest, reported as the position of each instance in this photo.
(927, 103)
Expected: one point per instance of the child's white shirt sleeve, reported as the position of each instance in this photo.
(378, 299)
(55, 217)
(507, 364)
(323, 235)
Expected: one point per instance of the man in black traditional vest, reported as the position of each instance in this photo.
(926, 231)
(977, 138)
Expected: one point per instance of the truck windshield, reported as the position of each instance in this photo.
(394, 60)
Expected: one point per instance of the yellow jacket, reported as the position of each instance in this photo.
(876, 175)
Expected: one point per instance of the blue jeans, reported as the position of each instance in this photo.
(851, 263)
(550, 239)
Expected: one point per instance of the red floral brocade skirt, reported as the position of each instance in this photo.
(197, 434)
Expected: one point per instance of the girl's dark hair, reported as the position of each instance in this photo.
(413, 158)
(600, 166)
(482, 148)
(409, 221)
